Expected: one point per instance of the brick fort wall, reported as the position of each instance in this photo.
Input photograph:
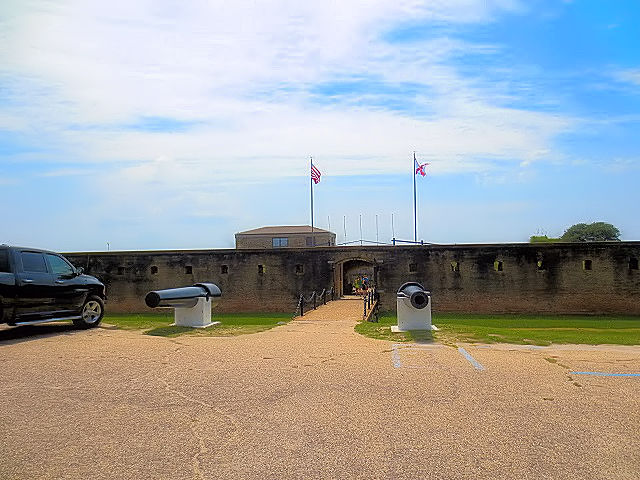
(515, 278)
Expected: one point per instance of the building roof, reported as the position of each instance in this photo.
(283, 230)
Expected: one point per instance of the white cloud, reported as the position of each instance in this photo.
(112, 60)
(8, 181)
(110, 63)
(68, 172)
(82, 73)
(628, 76)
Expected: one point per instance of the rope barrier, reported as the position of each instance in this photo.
(370, 302)
(312, 299)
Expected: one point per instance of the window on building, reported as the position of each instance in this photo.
(260, 270)
(154, 270)
(633, 263)
(224, 269)
(188, 269)
(279, 242)
(587, 265)
(299, 269)
(455, 266)
(413, 267)
(33, 262)
(120, 270)
(498, 266)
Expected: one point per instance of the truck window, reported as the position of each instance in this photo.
(33, 262)
(4, 261)
(59, 266)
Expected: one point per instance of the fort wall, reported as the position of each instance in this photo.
(488, 278)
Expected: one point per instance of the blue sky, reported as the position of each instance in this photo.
(162, 125)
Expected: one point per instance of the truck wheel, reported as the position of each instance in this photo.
(92, 312)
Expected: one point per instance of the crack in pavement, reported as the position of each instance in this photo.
(225, 419)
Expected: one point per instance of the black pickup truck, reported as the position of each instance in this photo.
(41, 286)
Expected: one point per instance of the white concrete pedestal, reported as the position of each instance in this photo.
(411, 318)
(198, 316)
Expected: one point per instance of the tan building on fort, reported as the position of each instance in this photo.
(287, 236)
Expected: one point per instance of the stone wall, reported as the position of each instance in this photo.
(531, 278)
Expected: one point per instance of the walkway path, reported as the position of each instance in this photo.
(346, 311)
(310, 399)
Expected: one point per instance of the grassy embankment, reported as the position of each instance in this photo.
(230, 324)
(518, 329)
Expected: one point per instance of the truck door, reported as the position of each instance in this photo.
(7, 287)
(69, 290)
(34, 285)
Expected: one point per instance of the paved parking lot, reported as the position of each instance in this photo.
(311, 399)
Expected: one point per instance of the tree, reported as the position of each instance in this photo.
(592, 232)
(542, 239)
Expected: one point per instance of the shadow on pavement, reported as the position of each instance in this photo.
(25, 333)
(421, 336)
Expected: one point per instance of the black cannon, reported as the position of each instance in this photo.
(415, 293)
(182, 297)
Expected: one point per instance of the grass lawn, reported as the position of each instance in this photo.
(519, 329)
(231, 323)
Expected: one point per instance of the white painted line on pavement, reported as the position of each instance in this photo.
(472, 360)
(395, 356)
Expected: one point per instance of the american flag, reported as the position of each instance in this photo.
(315, 174)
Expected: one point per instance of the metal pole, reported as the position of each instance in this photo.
(377, 239)
(360, 229)
(393, 230)
(344, 225)
(313, 242)
(415, 205)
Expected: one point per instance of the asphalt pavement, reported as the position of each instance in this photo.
(311, 399)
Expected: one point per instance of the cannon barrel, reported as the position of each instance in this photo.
(184, 297)
(415, 293)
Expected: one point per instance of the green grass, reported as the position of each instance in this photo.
(159, 324)
(382, 331)
(518, 329)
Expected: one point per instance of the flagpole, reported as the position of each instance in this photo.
(313, 240)
(415, 205)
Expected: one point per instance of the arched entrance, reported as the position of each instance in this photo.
(352, 274)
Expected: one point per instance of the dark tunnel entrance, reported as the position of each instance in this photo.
(358, 276)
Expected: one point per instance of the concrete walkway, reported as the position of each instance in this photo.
(310, 399)
(347, 311)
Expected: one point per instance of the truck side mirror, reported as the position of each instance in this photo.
(79, 271)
